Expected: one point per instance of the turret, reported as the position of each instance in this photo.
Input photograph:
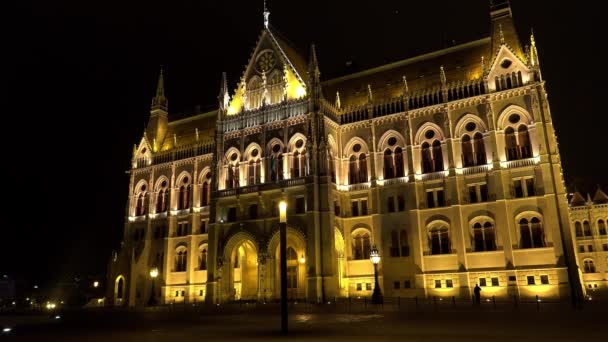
(157, 125)
(503, 28)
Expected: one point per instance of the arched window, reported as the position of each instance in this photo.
(389, 168)
(275, 166)
(601, 227)
(405, 247)
(184, 194)
(332, 167)
(120, 288)
(511, 144)
(524, 142)
(162, 197)
(202, 260)
(141, 204)
(181, 260)
(589, 266)
(361, 246)
(578, 228)
(296, 172)
(532, 233)
(440, 241)
(480, 150)
(399, 171)
(353, 177)
(362, 168)
(467, 151)
(437, 156)
(587, 228)
(427, 158)
(484, 237)
(205, 194)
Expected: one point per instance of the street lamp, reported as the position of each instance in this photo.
(95, 284)
(302, 259)
(283, 261)
(375, 258)
(153, 275)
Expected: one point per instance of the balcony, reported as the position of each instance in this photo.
(513, 164)
(425, 177)
(285, 183)
(473, 170)
(392, 181)
(354, 187)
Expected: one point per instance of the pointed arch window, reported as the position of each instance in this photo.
(511, 144)
(439, 241)
(141, 207)
(589, 266)
(437, 156)
(467, 151)
(484, 237)
(362, 168)
(332, 167)
(185, 188)
(202, 260)
(162, 198)
(427, 158)
(353, 177)
(601, 227)
(394, 250)
(578, 228)
(361, 246)
(205, 194)
(532, 233)
(524, 142)
(587, 229)
(180, 260)
(389, 167)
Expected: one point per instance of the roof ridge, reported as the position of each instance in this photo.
(408, 61)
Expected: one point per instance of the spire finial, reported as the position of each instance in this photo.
(443, 78)
(266, 15)
(405, 86)
(160, 101)
(370, 97)
(224, 97)
(502, 35)
(338, 103)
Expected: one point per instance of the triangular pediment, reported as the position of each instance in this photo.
(275, 72)
(507, 63)
(142, 152)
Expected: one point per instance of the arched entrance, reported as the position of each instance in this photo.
(119, 290)
(296, 264)
(240, 268)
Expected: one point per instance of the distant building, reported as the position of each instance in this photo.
(447, 162)
(590, 227)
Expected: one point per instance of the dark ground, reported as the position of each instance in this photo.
(357, 323)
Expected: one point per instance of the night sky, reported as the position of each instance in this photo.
(81, 75)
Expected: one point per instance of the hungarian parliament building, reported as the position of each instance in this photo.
(447, 163)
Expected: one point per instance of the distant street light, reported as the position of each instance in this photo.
(283, 263)
(302, 259)
(95, 284)
(153, 275)
(375, 258)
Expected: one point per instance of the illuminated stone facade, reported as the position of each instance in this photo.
(590, 229)
(447, 162)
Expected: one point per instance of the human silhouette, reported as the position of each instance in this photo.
(477, 292)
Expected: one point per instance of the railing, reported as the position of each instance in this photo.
(356, 187)
(393, 181)
(358, 113)
(183, 152)
(285, 183)
(424, 98)
(519, 163)
(432, 176)
(330, 111)
(476, 169)
(460, 90)
(265, 114)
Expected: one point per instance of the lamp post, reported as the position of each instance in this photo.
(153, 275)
(375, 258)
(283, 265)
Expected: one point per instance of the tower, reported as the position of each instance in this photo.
(158, 122)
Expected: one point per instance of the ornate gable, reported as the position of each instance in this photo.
(507, 66)
(274, 74)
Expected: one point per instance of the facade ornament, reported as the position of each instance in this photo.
(502, 35)
(266, 16)
(443, 78)
(370, 97)
(338, 103)
(406, 89)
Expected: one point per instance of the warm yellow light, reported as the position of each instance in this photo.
(96, 284)
(374, 256)
(283, 212)
(302, 259)
(154, 272)
(300, 91)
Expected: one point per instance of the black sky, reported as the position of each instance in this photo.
(81, 75)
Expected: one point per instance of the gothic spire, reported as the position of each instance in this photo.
(338, 102)
(503, 28)
(160, 101)
(266, 16)
(224, 97)
(444, 79)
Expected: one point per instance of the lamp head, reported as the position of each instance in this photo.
(374, 256)
(154, 272)
(283, 211)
